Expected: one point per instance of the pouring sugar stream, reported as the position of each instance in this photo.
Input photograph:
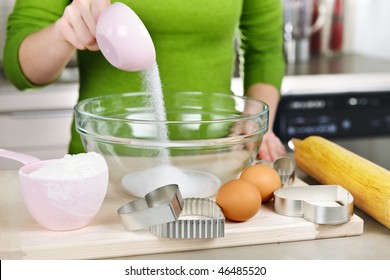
(62, 194)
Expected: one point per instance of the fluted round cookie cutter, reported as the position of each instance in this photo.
(200, 218)
(162, 205)
(321, 204)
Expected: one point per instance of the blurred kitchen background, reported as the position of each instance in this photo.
(337, 84)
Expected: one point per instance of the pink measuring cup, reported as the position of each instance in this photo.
(124, 40)
(59, 204)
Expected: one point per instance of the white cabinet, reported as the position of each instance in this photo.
(36, 122)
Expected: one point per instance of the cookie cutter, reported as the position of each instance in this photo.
(200, 218)
(321, 204)
(285, 166)
(162, 205)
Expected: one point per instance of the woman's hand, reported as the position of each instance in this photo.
(271, 148)
(77, 26)
(76, 29)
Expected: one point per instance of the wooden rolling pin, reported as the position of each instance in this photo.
(331, 164)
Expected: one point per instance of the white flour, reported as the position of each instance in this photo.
(71, 167)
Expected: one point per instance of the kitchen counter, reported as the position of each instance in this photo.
(373, 243)
(61, 95)
(37, 121)
(339, 64)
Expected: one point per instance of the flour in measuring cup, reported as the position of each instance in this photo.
(78, 166)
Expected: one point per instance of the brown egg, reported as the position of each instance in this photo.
(239, 200)
(265, 178)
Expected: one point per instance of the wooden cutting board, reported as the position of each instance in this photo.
(22, 238)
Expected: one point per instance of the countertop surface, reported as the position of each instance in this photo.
(339, 64)
(372, 244)
(61, 95)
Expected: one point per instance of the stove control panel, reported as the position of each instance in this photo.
(335, 115)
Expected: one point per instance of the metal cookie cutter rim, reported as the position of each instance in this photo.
(312, 202)
(211, 225)
(285, 166)
(162, 205)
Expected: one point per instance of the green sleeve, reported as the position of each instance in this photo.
(27, 17)
(262, 42)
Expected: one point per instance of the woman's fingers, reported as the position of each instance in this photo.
(78, 23)
(68, 34)
(97, 8)
(271, 148)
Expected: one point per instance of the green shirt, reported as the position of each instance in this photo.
(194, 41)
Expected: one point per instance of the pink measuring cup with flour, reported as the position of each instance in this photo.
(56, 203)
(124, 40)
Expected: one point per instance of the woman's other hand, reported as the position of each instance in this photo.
(77, 26)
(271, 148)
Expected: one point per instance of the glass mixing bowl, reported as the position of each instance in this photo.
(205, 140)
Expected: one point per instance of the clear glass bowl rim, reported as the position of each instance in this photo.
(82, 103)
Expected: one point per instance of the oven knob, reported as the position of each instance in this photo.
(346, 124)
